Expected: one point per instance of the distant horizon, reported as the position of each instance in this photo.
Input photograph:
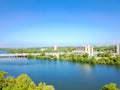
(52, 46)
(32, 45)
(38, 23)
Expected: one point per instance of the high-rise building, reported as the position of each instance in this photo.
(118, 49)
(84, 49)
(55, 48)
(90, 50)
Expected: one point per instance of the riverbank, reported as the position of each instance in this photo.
(68, 57)
(64, 53)
(80, 58)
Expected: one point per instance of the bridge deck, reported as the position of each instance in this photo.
(25, 54)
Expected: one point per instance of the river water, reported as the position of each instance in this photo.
(62, 75)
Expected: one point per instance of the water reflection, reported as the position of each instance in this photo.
(63, 75)
(86, 67)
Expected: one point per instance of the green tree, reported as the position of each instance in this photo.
(111, 86)
(9, 83)
(2, 80)
(48, 87)
(85, 55)
(22, 82)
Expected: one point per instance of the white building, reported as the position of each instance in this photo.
(43, 49)
(55, 48)
(118, 49)
(89, 50)
(84, 49)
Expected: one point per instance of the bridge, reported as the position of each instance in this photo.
(16, 55)
(26, 54)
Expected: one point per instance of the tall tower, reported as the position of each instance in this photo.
(55, 48)
(118, 49)
(90, 50)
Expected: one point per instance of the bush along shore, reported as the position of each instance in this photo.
(80, 58)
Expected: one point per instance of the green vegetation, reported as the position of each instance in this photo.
(42, 56)
(111, 86)
(105, 48)
(22, 82)
(38, 50)
(59, 49)
(81, 58)
(92, 60)
(106, 54)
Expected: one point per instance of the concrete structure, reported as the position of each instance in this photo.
(55, 48)
(84, 49)
(90, 50)
(18, 55)
(43, 49)
(118, 49)
(13, 55)
(25, 55)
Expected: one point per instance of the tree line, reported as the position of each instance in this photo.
(22, 82)
(111, 48)
(80, 58)
(39, 50)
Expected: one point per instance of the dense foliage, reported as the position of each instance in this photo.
(105, 48)
(22, 82)
(106, 54)
(39, 50)
(59, 49)
(81, 58)
(111, 86)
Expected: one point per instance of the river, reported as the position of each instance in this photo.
(63, 75)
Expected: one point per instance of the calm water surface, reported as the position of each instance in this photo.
(62, 74)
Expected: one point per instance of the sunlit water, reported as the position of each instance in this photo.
(62, 75)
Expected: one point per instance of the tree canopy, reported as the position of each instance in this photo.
(22, 82)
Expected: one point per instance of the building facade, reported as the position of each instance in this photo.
(84, 49)
(55, 48)
(89, 50)
(118, 49)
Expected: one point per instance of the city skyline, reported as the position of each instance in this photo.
(37, 23)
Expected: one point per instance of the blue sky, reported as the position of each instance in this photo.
(36, 23)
